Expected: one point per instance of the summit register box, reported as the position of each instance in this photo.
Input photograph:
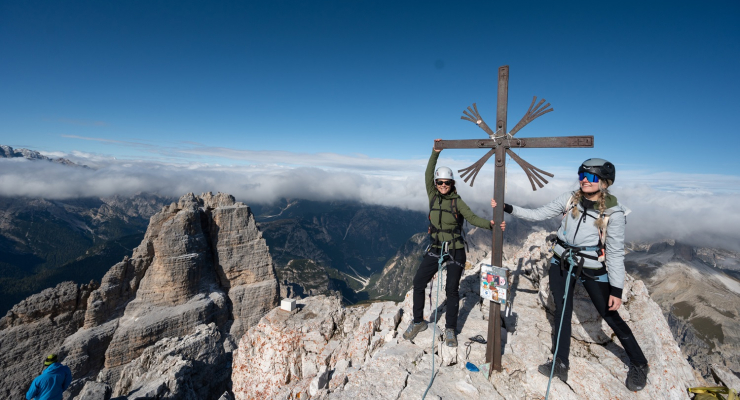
(494, 284)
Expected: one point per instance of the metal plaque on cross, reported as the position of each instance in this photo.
(500, 142)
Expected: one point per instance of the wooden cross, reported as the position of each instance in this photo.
(500, 143)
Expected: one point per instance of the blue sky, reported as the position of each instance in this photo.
(342, 100)
(655, 83)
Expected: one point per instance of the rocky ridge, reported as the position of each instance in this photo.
(699, 299)
(164, 321)
(325, 351)
(9, 152)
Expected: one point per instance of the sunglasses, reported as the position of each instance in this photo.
(589, 176)
(445, 183)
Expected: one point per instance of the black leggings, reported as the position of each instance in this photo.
(599, 293)
(424, 274)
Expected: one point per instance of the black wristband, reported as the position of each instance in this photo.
(615, 291)
(508, 208)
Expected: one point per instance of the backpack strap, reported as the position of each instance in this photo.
(571, 203)
(602, 237)
(460, 221)
(434, 231)
(569, 206)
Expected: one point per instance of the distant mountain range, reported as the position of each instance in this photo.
(9, 152)
(351, 241)
(44, 242)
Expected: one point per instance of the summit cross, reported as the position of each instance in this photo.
(500, 143)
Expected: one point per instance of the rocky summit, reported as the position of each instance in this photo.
(322, 350)
(164, 322)
(191, 314)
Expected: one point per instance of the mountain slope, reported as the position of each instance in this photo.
(700, 301)
(44, 242)
(350, 240)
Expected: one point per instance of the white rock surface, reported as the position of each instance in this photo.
(723, 376)
(284, 354)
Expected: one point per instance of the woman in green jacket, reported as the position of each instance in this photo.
(446, 216)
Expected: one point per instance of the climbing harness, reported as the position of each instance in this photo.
(600, 250)
(571, 252)
(443, 252)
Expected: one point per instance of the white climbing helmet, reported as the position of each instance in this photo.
(443, 173)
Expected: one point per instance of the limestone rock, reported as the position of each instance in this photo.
(84, 351)
(202, 262)
(117, 289)
(34, 328)
(66, 297)
(725, 377)
(320, 381)
(189, 367)
(209, 254)
(285, 348)
(95, 391)
(286, 354)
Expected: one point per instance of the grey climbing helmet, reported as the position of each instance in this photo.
(443, 173)
(599, 167)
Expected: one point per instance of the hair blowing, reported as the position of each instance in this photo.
(603, 192)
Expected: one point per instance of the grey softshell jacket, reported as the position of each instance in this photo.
(577, 232)
(444, 203)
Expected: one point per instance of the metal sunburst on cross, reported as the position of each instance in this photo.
(500, 143)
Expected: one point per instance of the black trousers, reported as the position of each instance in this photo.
(599, 293)
(424, 274)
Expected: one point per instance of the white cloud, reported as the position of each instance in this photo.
(697, 209)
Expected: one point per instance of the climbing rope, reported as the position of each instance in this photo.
(474, 339)
(571, 263)
(443, 252)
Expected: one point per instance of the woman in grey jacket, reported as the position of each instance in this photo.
(591, 237)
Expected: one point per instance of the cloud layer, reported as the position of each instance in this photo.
(697, 209)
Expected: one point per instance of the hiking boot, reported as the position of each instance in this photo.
(637, 376)
(561, 370)
(414, 329)
(450, 337)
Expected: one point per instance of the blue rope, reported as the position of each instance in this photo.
(571, 262)
(442, 254)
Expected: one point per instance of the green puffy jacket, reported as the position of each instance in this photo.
(439, 215)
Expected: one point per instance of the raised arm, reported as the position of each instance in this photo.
(429, 174)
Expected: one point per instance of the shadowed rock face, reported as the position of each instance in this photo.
(202, 262)
(34, 328)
